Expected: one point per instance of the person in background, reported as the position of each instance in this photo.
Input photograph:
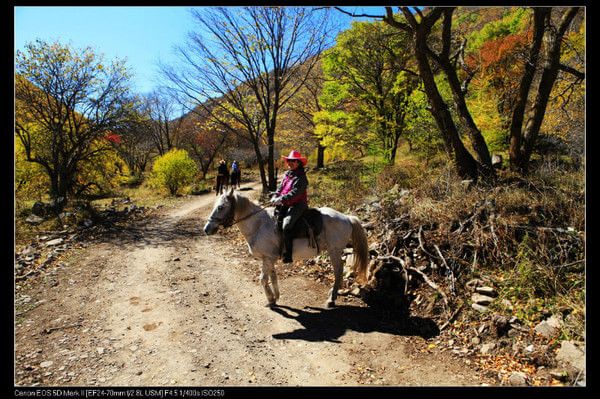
(236, 174)
(292, 198)
(222, 177)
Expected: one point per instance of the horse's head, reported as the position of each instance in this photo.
(222, 213)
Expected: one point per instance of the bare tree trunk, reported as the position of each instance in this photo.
(523, 141)
(271, 160)
(465, 164)
(320, 156)
(516, 126)
(478, 142)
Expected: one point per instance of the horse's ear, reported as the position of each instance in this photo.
(230, 193)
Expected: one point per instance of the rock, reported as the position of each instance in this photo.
(467, 184)
(487, 291)
(497, 161)
(475, 340)
(529, 348)
(46, 363)
(28, 250)
(549, 328)
(33, 219)
(39, 209)
(472, 284)
(501, 325)
(517, 379)
(349, 261)
(56, 241)
(569, 354)
(480, 308)
(561, 375)
(481, 299)
(487, 348)
(507, 304)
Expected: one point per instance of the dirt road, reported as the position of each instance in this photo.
(163, 304)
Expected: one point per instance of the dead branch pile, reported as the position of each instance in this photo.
(426, 266)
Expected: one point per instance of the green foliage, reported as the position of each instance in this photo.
(174, 170)
(31, 180)
(66, 101)
(341, 185)
(364, 80)
(513, 22)
(421, 131)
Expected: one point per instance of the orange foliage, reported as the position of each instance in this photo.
(501, 63)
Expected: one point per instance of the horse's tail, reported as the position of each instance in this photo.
(361, 250)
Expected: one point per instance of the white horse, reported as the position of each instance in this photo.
(259, 227)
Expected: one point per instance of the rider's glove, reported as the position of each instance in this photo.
(276, 200)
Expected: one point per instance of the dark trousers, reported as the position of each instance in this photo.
(235, 179)
(221, 183)
(290, 216)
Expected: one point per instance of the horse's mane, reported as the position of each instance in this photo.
(243, 203)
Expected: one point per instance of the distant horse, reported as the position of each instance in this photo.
(259, 227)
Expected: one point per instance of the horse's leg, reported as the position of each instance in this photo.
(267, 270)
(336, 261)
(274, 282)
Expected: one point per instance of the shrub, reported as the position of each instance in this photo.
(174, 170)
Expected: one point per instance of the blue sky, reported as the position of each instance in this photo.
(142, 35)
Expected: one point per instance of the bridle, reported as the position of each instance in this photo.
(229, 219)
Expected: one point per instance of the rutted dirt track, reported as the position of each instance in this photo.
(163, 304)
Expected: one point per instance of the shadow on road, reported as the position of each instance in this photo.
(151, 231)
(330, 324)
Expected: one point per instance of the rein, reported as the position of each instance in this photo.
(248, 216)
(229, 220)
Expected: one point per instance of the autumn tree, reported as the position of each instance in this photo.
(370, 61)
(203, 138)
(132, 139)
(67, 100)
(444, 53)
(245, 62)
(542, 68)
(165, 122)
(297, 128)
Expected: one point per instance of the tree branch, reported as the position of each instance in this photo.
(578, 74)
(353, 15)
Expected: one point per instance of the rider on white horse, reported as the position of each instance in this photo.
(291, 196)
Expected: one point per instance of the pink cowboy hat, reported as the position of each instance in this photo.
(296, 155)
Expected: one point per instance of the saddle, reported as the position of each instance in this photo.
(309, 225)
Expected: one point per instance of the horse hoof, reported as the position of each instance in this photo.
(330, 304)
(271, 304)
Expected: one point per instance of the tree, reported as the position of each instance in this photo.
(133, 141)
(248, 67)
(370, 60)
(545, 55)
(203, 139)
(174, 170)
(420, 24)
(67, 100)
(420, 30)
(297, 126)
(164, 121)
